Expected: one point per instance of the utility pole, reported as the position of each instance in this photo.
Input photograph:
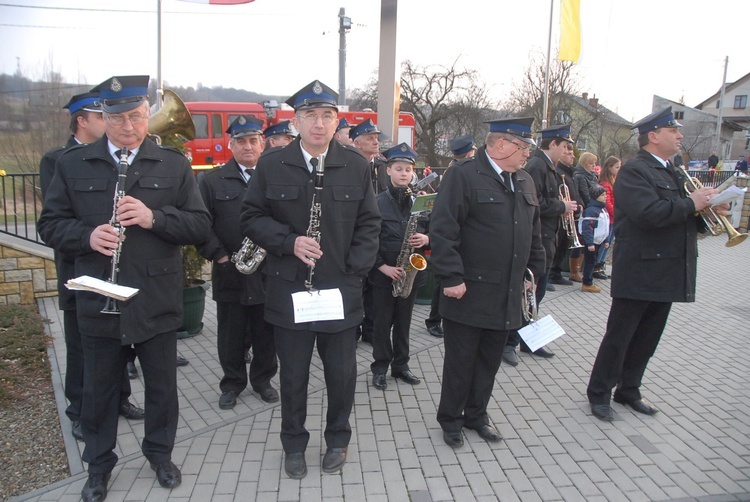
(721, 107)
(345, 24)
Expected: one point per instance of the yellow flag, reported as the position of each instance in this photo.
(570, 31)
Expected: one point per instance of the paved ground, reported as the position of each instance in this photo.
(697, 448)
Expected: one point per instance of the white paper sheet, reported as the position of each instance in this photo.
(540, 333)
(322, 305)
(728, 195)
(87, 283)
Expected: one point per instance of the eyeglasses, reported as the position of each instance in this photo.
(312, 118)
(119, 119)
(523, 148)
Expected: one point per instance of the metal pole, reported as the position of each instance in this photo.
(546, 73)
(342, 56)
(721, 107)
(159, 82)
(387, 77)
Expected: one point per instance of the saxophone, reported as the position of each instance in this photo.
(313, 229)
(408, 260)
(249, 257)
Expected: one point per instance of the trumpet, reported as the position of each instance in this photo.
(716, 223)
(528, 298)
(568, 220)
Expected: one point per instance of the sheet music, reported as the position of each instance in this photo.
(322, 305)
(541, 332)
(728, 195)
(87, 283)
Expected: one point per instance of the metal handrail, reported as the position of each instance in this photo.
(712, 178)
(21, 205)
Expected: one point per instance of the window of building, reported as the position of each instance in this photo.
(562, 117)
(582, 144)
(679, 115)
(740, 102)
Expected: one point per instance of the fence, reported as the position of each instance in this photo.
(712, 178)
(22, 205)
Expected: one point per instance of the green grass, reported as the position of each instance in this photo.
(23, 352)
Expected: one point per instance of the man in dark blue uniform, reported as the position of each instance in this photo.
(654, 265)
(541, 167)
(484, 233)
(280, 134)
(342, 132)
(86, 126)
(320, 276)
(161, 210)
(239, 297)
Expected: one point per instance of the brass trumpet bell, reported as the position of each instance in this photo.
(172, 124)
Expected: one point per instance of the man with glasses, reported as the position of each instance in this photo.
(276, 214)
(485, 232)
(161, 210)
(541, 167)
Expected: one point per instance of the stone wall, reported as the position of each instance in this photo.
(27, 271)
(743, 182)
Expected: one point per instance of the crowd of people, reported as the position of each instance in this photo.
(336, 222)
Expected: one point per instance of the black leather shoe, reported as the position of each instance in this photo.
(541, 352)
(76, 430)
(227, 400)
(550, 287)
(509, 355)
(333, 460)
(639, 405)
(131, 411)
(168, 474)
(268, 395)
(454, 439)
(181, 361)
(436, 331)
(602, 412)
(95, 489)
(488, 433)
(407, 376)
(295, 465)
(378, 381)
(560, 281)
(132, 371)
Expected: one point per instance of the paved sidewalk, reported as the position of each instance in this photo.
(697, 448)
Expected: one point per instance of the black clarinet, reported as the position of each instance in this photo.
(122, 168)
(313, 230)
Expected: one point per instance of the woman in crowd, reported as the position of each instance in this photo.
(607, 179)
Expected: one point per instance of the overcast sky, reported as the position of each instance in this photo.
(632, 49)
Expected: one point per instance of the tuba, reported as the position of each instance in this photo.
(715, 222)
(568, 220)
(172, 125)
(249, 257)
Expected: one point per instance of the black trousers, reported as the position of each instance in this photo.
(563, 244)
(434, 319)
(472, 358)
(338, 354)
(74, 368)
(391, 349)
(235, 324)
(104, 363)
(634, 328)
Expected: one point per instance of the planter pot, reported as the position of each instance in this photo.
(194, 304)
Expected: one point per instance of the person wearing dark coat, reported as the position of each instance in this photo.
(564, 241)
(276, 215)
(654, 265)
(484, 232)
(586, 177)
(390, 335)
(239, 297)
(86, 126)
(161, 209)
(541, 168)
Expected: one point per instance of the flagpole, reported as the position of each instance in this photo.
(159, 83)
(546, 73)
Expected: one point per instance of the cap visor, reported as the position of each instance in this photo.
(121, 107)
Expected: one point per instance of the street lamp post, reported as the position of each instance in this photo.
(345, 24)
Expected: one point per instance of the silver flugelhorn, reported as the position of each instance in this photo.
(528, 299)
(249, 257)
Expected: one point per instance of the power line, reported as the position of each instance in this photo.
(133, 11)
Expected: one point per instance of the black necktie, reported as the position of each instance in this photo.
(314, 163)
(249, 173)
(508, 182)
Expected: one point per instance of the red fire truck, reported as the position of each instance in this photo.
(211, 118)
